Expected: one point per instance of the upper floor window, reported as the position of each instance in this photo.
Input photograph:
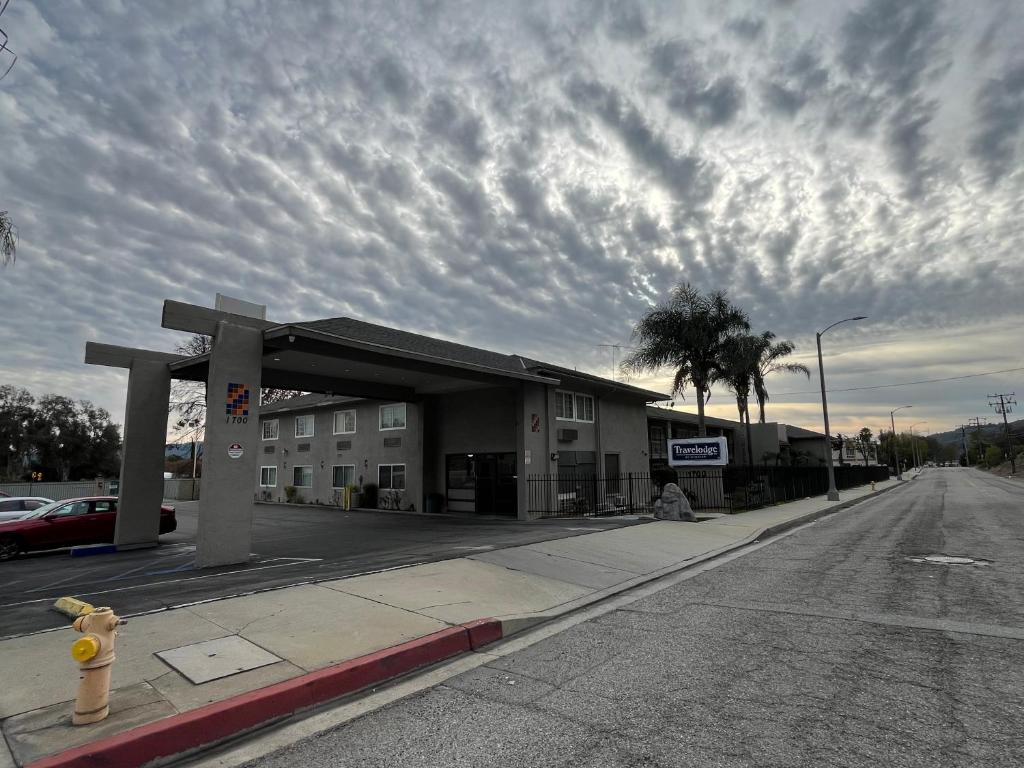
(392, 416)
(344, 422)
(304, 425)
(573, 406)
(270, 429)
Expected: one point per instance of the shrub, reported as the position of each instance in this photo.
(292, 495)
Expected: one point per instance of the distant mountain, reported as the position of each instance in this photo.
(181, 450)
(989, 432)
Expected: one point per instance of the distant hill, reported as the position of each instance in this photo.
(181, 450)
(989, 432)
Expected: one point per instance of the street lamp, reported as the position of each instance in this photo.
(895, 442)
(833, 494)
(913, 444)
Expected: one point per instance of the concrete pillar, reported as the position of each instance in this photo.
(142, 462)
(231, 446)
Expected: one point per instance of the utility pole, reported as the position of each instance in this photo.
(977, 423)
(963, 444)
(1004, 407)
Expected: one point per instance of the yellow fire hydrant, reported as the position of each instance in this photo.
(95, 655)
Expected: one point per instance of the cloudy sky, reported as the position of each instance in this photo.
(527, 177)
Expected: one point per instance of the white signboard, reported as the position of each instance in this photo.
(698, 452)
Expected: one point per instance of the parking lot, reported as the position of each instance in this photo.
(291, 545)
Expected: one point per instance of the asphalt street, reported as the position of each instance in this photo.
(291, 545)
(837, 645)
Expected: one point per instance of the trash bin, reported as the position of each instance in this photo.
(435, 503)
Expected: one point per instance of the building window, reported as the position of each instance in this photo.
(270, 429)
(564, 405)
(268, 477)
(304, 425)
(302, 477)
(584, 407)
(391, 477)
(573, 406)
(392, 416)
(343, 474)
(344, 422)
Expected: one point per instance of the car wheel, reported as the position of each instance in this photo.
(9, 547)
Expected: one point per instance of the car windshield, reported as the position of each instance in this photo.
(35, 513)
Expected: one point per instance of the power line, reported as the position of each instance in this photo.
(903, 383)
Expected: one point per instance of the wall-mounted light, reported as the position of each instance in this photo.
(291, 339)
(554, 456)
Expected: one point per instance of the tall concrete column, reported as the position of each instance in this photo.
(142, 455)
(231, 446)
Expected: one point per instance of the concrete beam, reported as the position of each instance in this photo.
(142, 462)
(123, 357)
(179, 316)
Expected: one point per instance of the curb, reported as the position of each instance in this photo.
(200, 728)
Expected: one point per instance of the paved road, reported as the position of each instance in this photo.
(835, 646)
(291, 545)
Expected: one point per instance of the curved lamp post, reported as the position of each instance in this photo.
(895, 442)
(833, 494)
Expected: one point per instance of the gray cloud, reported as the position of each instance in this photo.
(551, 168)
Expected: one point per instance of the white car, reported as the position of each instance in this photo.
(13, 507)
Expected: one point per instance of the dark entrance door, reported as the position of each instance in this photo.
(484, 483)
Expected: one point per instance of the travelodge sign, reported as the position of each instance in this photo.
(698, 452)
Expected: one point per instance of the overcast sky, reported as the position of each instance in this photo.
(526, 177)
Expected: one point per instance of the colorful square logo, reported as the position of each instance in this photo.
(238, 400)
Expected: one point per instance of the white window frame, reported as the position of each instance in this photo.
(559, 394)
(312, 425)
(576, 412)
(576, 401)
(336, 466)
(277, 428)
(268, 485)
(303, 466)
(392, 467)
(380, 417)
(335, 423)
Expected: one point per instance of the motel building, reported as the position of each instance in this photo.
(422, 418)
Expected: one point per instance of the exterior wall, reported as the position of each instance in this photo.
(623, 430)
(767, 440)
(366, 450)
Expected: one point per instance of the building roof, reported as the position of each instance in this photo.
(441, 349)
(301, 402)
(685, 417)
(800, 432)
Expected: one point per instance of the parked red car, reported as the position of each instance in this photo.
(66, 523)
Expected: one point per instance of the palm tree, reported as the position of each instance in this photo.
(688, 333)
(8, 239)
(772, 353)
(740, 363)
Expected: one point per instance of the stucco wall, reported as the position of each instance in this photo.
(365, 453)
(623, 425)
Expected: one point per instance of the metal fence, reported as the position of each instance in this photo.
(717, 490)
(58, 491)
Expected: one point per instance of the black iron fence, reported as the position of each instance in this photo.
(719, 489)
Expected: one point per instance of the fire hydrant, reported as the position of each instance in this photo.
(872, 485)
(95, 655)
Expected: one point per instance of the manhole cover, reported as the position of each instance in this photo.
(948, 560)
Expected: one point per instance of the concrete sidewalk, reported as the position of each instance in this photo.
(287, 633)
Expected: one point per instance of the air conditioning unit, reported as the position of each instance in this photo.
(567, 435)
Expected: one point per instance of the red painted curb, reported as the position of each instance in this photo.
(483, 631)
(222, 719)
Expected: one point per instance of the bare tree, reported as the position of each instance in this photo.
(8, 239)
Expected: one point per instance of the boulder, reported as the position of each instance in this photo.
(673, 505)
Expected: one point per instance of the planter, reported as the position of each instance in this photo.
(357, 499)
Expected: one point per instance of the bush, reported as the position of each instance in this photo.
(370, 495)
(292, 495)
(663, 477)
(994, 456)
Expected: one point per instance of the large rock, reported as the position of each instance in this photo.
(673, 505)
